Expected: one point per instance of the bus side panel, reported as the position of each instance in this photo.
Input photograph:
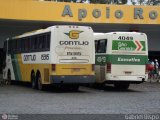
(22, 72)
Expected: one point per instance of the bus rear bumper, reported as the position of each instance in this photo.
(75, 79)
(131, 79)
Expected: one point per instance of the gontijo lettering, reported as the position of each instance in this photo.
(73, 42)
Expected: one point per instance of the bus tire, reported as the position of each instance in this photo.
(33, 81)
(121, 85)
(39, 83)
(74, 88)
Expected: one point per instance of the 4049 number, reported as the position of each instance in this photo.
(125, 38)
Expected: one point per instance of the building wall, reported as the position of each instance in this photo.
(47, 11)
(78, 12)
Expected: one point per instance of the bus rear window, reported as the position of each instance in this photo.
(100, 46)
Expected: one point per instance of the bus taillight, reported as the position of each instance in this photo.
(53, 67)
(108, 68)
(93, 67)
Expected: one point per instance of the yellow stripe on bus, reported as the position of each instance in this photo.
(26, 69)
(73, 69)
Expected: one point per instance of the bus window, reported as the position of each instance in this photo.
(18, 45)
(48, 41)
(35, 41)
(32, 43)
(15, 45)
(40, 42)
(102, 44)
(96, 46)
(23, 44)
(29, 44)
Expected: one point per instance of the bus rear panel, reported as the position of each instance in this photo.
(121, 57)
(73, 55)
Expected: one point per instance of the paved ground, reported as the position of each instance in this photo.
(142, 98)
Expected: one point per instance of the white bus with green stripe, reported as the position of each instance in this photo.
(59, 55)
(121, 58)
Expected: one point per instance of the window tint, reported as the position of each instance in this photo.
(23, 44)
(35, 43)
(27, 44)
(47, 41)
(40, 42)
(18, 45)
(96, 46)
(5, 46)
(101, 46)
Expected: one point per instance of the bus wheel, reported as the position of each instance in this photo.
(33, 80)
(74, 87)
(121, 85)
(39, 80)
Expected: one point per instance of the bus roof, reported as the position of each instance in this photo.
(35, 32)
(98, 36)
(140, 33)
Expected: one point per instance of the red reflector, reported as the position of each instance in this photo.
(53, 67)
(108, 68)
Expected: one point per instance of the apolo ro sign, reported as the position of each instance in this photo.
(138, 13)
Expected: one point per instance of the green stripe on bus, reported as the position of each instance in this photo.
(16, 67)
(122, 59)
(128, 45)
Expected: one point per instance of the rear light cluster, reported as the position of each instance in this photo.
(108, 68)
(73, 26)
(53, 67)
(146, 69)
(69, 26)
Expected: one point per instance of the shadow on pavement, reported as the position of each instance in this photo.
(111, 88)
(50, 88)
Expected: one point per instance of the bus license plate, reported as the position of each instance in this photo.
(76, 69)
(127, 72)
